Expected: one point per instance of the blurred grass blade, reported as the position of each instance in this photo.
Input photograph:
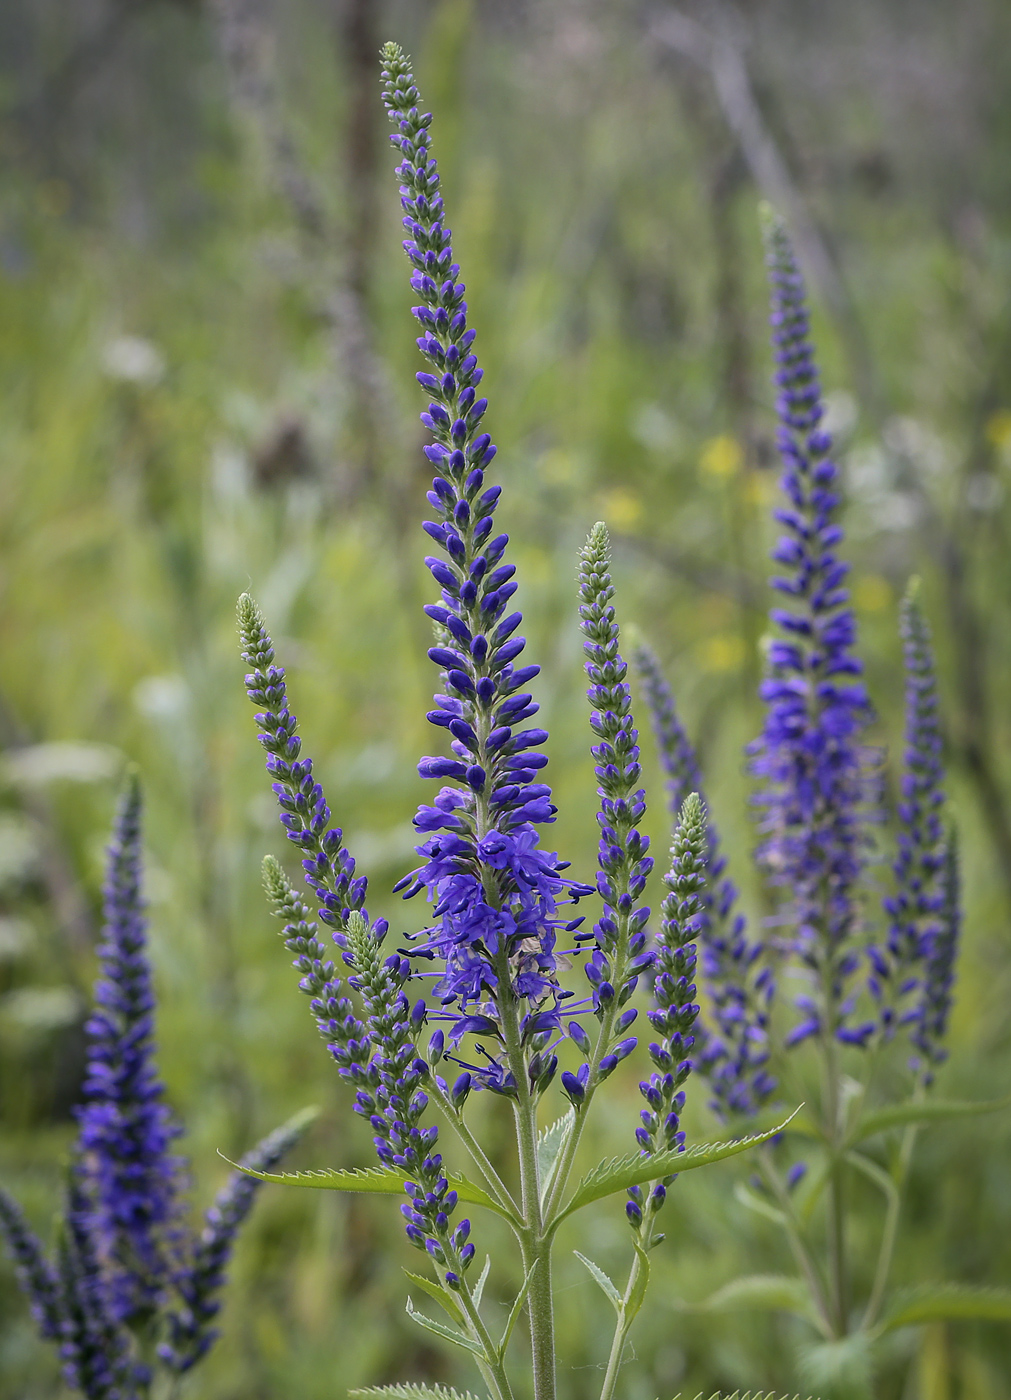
(945, 1302)
(901, 1115)
(761, 1293)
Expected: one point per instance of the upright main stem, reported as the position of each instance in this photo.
(536, 1245)
(834, 1129)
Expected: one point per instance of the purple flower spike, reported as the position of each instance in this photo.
(329, 869)
(919, 869)
(96, 1347)
(622, 853)
(36, 1275)
(673, 1018)
(734, 1048)
(808, 757)
(495, 892)
(930, 1015)
(190, 1330)
(128, 1175)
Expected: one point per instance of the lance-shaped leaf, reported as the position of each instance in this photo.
(619, 1173)
(550, 1142)
(940, 1302)
(383, 1181)
(738, 1395)
(449, 1334)
(410, 1392)
(442, 1296)
(605, 1285)
(761, 1293)
(901, 1115)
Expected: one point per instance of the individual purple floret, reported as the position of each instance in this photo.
(329, 869)
(619, 953)
(199, 1282)
(129, 1176)
(808, 756)
(916, 904)
(929, 1016)
(36, 1275)
(496, 893)
(674, 990)
(733, 1038)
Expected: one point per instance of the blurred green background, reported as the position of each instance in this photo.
(206, 384)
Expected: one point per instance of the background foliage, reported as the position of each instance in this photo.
(206, 383)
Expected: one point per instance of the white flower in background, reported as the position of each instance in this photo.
(133, 360)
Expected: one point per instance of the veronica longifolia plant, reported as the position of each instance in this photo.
(475, 1002)
(130, 1291)
(864, 993)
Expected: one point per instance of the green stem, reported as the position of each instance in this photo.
(891, 1229)
(802, 1255)
(493, 1181)
(492, 1367)
(536, 1245)
(621, 1331)
(604, 1037)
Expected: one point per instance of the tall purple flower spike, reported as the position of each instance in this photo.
(496, 894)
(38, 1279)
(305, 816)
(808, 757)
(191, 1332)
(128, 1173)
(930, 1014)
(123, 1255)
(619, 954)
(914, 909)
(674, 1016)
(732, 1038)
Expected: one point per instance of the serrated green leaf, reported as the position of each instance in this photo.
(477, 1292)
(448, 1334)
(515, 1311)
(384, 1181)
(946, 1301)
(637, 1296)
(410, 1392)
(603, 1282)
(549, 1148)
(442, 1296)
(621, 1172)
(747, 1395)
(900, 1115)
(763, 1293)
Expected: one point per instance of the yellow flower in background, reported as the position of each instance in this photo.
(760, 488)
(722, 457)
(722, 652)
(998, 430)
(872, 593)
(557, 467)
(620, 508)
